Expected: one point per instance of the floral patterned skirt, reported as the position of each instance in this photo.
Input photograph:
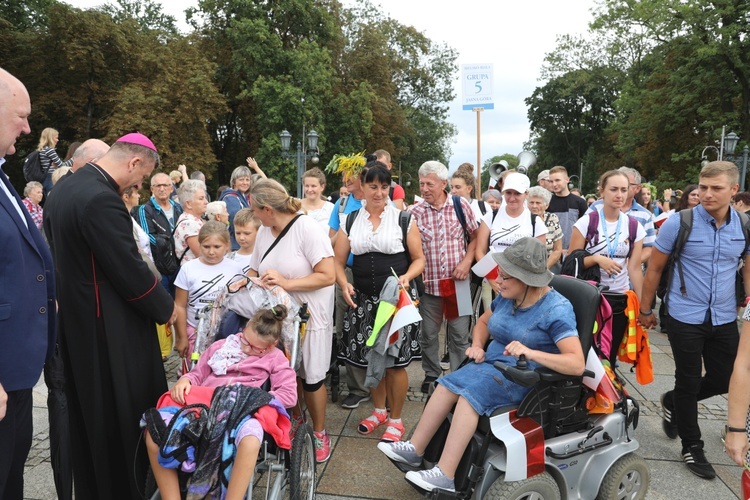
(358, 324)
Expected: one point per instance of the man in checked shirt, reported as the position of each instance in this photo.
(449, 256)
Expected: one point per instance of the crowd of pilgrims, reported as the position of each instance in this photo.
(335, 249)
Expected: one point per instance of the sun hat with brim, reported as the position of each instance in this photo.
(525, 260)
(517, 182)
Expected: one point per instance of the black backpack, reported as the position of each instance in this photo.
(32, 168)
(673, 261)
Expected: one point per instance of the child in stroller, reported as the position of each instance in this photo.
(250, 357)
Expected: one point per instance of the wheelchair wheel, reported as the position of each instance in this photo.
(302, 469)
(540, 487)
(629, 477)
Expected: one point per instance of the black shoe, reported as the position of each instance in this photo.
(696, 461)
(427, 384)
(352, 401)
(667, 422)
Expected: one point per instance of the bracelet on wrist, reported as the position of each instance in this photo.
(734, 429)
(649, 313)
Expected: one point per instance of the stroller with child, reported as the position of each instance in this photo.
(279, 472)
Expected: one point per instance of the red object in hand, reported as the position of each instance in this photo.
(746, 484)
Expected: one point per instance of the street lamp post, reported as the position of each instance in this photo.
(407, 182)
(730, 144)
(302, 155)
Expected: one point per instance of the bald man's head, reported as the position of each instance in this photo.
(15, 108)
(90, 151)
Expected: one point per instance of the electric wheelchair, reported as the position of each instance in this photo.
(570, 438)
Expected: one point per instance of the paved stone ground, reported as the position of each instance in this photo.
(357, 470)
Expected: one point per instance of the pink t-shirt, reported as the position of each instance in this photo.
(301, 249)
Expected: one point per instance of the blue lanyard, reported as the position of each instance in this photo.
(611, 245)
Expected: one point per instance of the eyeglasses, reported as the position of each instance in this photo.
(633, 184)
(159, 186)
(503, 277)
(255, 349)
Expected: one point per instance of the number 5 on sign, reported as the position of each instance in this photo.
(477, 86)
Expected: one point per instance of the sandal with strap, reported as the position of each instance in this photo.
(394, 432)
(369, 424)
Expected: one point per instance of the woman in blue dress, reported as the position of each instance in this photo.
(528, 318)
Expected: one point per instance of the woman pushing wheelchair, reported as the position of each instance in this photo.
(528, 318)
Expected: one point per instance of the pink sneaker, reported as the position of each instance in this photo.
(322, 446)
(394, 432)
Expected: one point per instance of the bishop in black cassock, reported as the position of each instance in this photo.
(109, 304)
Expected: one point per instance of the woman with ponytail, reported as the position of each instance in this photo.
(292, 252)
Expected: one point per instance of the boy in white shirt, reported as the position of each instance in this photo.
(245, 229)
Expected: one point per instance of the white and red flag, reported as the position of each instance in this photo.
(406, 314)
(524, 442)
(486, 268)
(456, 295)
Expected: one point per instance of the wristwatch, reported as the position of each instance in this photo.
(734, 429)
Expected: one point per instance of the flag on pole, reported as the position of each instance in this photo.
(456, 295)
(389, 297)
(486, 268)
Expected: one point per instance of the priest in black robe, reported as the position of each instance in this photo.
(109, 305)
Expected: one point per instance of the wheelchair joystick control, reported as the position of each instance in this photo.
(522, 364)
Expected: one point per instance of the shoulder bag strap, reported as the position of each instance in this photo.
(281, 235)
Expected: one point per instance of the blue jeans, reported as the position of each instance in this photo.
(695, 346)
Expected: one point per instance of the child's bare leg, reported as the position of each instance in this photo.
(166, 479)
(244, 465)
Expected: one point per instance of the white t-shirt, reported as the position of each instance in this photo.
(506, 230)
(478, 215)
(301, 249)
(142, 239)
(243, 260)
(620, 283)
(203, 283)
(322, 216)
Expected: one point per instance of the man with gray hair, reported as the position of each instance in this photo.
(543, 179)
(200, 176)
(632, 208)
(158, 217)
(448, 245)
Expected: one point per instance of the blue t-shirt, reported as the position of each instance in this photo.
(338, 218)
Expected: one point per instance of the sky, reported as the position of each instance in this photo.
(512, 36)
